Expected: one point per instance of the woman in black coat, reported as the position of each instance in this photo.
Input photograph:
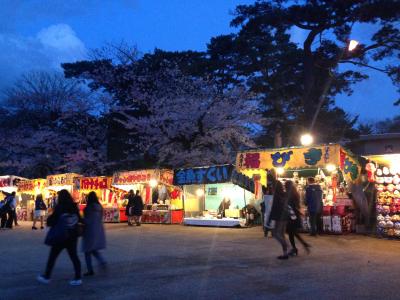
(294, 218)
(67, 212)
(279, 215)
(129, 207)
(137, 208)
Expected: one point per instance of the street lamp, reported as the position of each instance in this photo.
(352, 44)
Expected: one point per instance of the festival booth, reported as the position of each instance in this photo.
(9, 184)
(27, 192)
(333, 167)
(107, 197)
(58, 182)
(162, 200)
(215, 196)
(384, 172)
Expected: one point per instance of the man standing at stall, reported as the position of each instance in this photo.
(10, 204)
(314, 204)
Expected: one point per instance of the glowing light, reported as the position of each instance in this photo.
(153, 182)
(228, 193)
(200, 192)
(353, 45)
(330, 167)
(306, 139)
(280, 171)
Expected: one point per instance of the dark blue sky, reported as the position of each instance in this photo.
(40, 34)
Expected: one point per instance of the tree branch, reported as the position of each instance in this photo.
(363, 65)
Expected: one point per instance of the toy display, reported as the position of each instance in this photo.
(388, 202)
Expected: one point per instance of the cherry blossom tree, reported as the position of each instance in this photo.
(188, 121)
(50, 125)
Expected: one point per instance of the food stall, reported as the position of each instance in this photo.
(162, 200)
(58, 182)
(333, 167)
(27, 192)
(215, 195)
(384, 172)
(9, 184)
(107, 195)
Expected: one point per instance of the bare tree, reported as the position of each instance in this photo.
(50, 92)
(119, 53)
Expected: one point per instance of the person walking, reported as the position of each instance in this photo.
(313, 200)
(63, 234)
(3, 214)
(279, 214)
(137, 208)
(129, 207)
(11, 204)
(93, 238)
(294, 218)
(40, 212)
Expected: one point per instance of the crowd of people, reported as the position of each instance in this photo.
(284, 215)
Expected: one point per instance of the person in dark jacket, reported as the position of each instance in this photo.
(93, 238)
(3, 213)
(137, 208)
(129, 207)
(294, 218)
(279, 215)
(313, 199)
(65, 211)
(11, 204)
(40, 212)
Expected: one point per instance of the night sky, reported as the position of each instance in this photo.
(42, 36)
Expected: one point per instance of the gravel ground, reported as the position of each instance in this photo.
(180, 262)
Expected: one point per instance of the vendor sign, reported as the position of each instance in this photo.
(206, 175)
(5, 181)
(9, 181)
(61, 179)
(134, 177)
(300, 158)
(243, 181)
(95, 183)
(31, 186)
(167, 176)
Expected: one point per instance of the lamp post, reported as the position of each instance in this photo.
(307, 139)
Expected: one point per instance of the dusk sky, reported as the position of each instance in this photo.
(34, 36)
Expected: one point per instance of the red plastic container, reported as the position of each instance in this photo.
(340, 210)
(327, 210)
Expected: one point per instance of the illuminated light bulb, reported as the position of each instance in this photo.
(330, 167)
(280, 171)
(199, 192)
(153, 182)
(306, 139)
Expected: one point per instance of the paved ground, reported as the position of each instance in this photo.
(178, 262)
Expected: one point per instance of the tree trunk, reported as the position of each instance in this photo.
(278, 136)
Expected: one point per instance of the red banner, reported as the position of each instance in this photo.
(95, 183)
